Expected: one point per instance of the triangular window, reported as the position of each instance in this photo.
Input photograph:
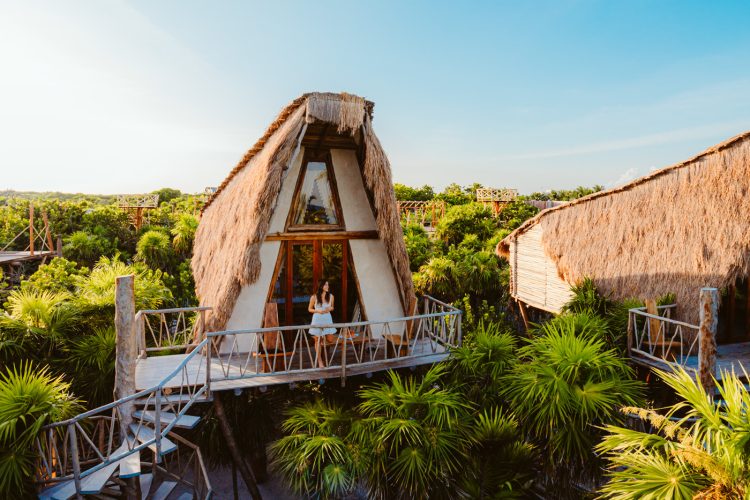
(316, 200)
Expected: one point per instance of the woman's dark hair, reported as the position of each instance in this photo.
(319, 293)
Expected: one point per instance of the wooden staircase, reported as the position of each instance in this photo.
(94, 452)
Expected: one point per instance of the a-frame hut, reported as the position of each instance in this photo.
(312, 200)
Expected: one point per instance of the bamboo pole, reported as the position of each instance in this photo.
(709, 316)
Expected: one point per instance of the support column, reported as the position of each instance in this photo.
(126, 351)
(125, 363)
(709, 316)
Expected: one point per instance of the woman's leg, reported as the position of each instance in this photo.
(319, 352)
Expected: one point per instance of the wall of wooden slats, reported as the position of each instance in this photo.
(534, 277)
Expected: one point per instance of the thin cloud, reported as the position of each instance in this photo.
(673, 136)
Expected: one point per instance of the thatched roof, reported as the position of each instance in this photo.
(676, 230)
(236, 218)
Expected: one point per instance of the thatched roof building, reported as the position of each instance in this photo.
(312, 200)
(673, 231)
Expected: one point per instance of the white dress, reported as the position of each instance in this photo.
(321, 319)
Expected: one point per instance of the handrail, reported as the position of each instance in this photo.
(137, 395)
(434, 332)
(661, 339)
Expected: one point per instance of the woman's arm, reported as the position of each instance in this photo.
(311, 305)
(330, 308)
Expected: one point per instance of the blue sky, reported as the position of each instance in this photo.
(114, 96)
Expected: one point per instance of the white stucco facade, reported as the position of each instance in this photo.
(372, 266)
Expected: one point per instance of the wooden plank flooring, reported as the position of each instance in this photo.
(243, 371)
(729, 357)
(18, 256)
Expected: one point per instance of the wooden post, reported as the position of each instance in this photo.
(234, 450)
(732, 306)
(47, 233)
(709, 315)
(631, 327)
(31, 229)
(524, 315)
(59, 246)
(125, 365)
(125, 348)
(653, 324)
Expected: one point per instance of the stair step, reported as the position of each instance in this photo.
(145, 434)
(164, 490)
(172, 398)
(145, 481)
(130, 466)
(166, 418)
(57, 489)
(91, 484)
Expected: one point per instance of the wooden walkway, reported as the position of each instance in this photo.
(231, 373)
(729, 357)
(8, 257)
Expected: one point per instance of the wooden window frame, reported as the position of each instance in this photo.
(317, 156)
(286, 257)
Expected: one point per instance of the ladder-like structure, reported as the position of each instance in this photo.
(94, 452)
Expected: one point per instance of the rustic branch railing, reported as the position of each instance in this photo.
(658, 338)
(424, 213)
(169, 329)
(185, 465)
(261, 352)
(65, 448)
(80, 446)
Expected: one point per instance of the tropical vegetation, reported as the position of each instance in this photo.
(508, 415)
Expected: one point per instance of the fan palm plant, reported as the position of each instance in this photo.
(98, 288)
(154, 248)
(36, 323)
(500, 464)
(183, 233)
(563, 387)
(316, 458)
(479, 365)
(91, 360)
(700, 449)
(29, 399)
(414, 432)
(436, 278)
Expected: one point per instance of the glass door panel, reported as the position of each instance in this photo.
(303, 265)
(333, 266)
(303, 282)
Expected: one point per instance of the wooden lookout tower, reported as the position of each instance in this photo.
(496, 199)
(136, 206)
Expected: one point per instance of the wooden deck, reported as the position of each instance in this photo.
(232, 373)
(729, 357)
(8, 257)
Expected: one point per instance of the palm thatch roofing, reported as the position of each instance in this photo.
(676, 230)
(236, 218)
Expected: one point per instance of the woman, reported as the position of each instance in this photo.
(321, 305)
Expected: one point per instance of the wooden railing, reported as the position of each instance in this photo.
(169, 329)
(424, 213)
(86, 443)
(82, 445)
(663, 341)
(262, 352)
